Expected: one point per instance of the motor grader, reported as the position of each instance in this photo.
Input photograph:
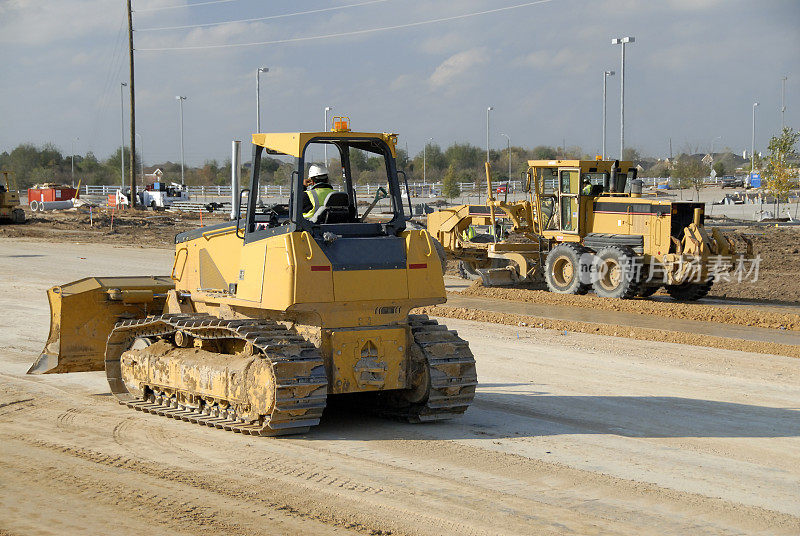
(262, 318)
(585, 225)
(10, 211)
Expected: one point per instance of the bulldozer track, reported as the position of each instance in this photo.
(453, 377)
(285, 349)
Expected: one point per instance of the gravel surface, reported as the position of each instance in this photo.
(569, 434)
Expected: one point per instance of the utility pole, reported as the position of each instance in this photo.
(133, 107)
(122, 132)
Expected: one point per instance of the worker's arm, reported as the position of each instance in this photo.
(307, 205)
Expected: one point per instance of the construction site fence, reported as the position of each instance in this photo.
(417, 189)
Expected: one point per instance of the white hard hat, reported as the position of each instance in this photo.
(316, 170)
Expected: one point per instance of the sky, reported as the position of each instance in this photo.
(420, 68)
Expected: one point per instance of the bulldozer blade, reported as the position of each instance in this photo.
(83, 313)
(499, 277)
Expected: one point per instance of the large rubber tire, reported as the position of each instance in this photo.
(468, 270)
(616, 274)
(564, 268)
(18, 215)
(442, 254)
(690, 291)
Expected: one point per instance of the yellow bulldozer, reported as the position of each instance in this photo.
(10, 211)
(585, 225)
(264, 317)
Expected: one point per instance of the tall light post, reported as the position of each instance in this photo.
(489, 109)
(258, 96)
(606, 74)
(424, 158)
(122, 127)
(73, 159)
(753, 141)
(508, 141)
(180, 103)
(141, 154)
(325, 128)
(622, 41)
(783, 102)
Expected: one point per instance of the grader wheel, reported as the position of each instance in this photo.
(616, 273)
(564, 269)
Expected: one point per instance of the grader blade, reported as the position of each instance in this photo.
(83, 313)
(499, 277)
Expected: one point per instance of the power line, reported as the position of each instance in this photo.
(184, 5)
(260, 18)
(345, 34)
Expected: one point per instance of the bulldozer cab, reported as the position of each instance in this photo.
(340, 213)
(561, 190)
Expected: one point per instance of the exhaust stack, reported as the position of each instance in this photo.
(236, 169)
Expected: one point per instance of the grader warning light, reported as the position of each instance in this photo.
(341, 124)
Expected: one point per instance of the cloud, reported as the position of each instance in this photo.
(564, 60)
(30, 22)
(457, 65)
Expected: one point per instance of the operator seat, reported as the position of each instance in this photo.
(335, 209)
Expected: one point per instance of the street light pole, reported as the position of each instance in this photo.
(606, 74)
(783, 102)
(508, 141)
(489, 109)
(622, 41)
(424, 158)
(258, 96)
(122, 127)
(141, 154)
(180, 102)
(753, 141)
(325, 129)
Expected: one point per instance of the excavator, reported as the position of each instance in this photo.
(262, 318)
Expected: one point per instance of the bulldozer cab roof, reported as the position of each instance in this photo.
(294, 143)
(585, 165)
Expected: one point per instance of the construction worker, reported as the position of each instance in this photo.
(317, 189)
(587, 187)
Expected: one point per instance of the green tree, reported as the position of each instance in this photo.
(719, 167)
(779, 173)
(544, 152)
(450, 186)
(690, 173)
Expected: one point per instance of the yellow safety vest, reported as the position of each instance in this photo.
(317, 197)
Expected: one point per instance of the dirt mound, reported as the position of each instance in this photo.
(646, 334)
(778, 270)
(743, 315)
(134, 228)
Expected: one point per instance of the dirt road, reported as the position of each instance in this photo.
(569, 434)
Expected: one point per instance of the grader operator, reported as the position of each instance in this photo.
(262, 318)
